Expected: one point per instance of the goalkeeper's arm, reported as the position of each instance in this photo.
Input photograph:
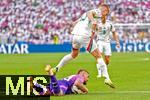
(80, 86)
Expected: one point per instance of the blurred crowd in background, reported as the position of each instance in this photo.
(50, 21)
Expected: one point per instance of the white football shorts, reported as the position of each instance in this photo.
(86, 42)
(104, 47)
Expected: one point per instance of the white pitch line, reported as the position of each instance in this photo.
(120, 92)
(131, 60)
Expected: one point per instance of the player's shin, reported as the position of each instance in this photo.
(105, 72)
(107, 60)
(64, 61)
(99, 70)
(103, 68)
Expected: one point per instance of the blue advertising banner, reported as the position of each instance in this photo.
(25, 48)
(131, 47)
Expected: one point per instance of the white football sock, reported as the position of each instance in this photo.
(64, 61)
(103, 68)
(99, 70)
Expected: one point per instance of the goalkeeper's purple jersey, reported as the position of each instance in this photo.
(67, 83)
(71, 79)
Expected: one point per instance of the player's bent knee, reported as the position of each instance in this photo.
(97, 56)
(107, 60)
(96, 53)
(74, 55)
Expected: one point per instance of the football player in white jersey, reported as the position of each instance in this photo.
(83, 33)
(105, 28)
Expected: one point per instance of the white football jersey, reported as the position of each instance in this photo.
(83, 26)
(105, 31)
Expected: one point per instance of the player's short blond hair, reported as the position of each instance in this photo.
(105, 5)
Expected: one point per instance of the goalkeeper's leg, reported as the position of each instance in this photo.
(54, 83)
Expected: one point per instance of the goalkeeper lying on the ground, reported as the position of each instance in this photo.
(73, 84)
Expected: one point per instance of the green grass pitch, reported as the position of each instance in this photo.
(130, 72)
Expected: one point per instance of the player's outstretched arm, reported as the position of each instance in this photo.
(80, 86)
(74, 23)
(91, 15)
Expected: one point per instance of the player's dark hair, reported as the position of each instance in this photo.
(81, 70)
